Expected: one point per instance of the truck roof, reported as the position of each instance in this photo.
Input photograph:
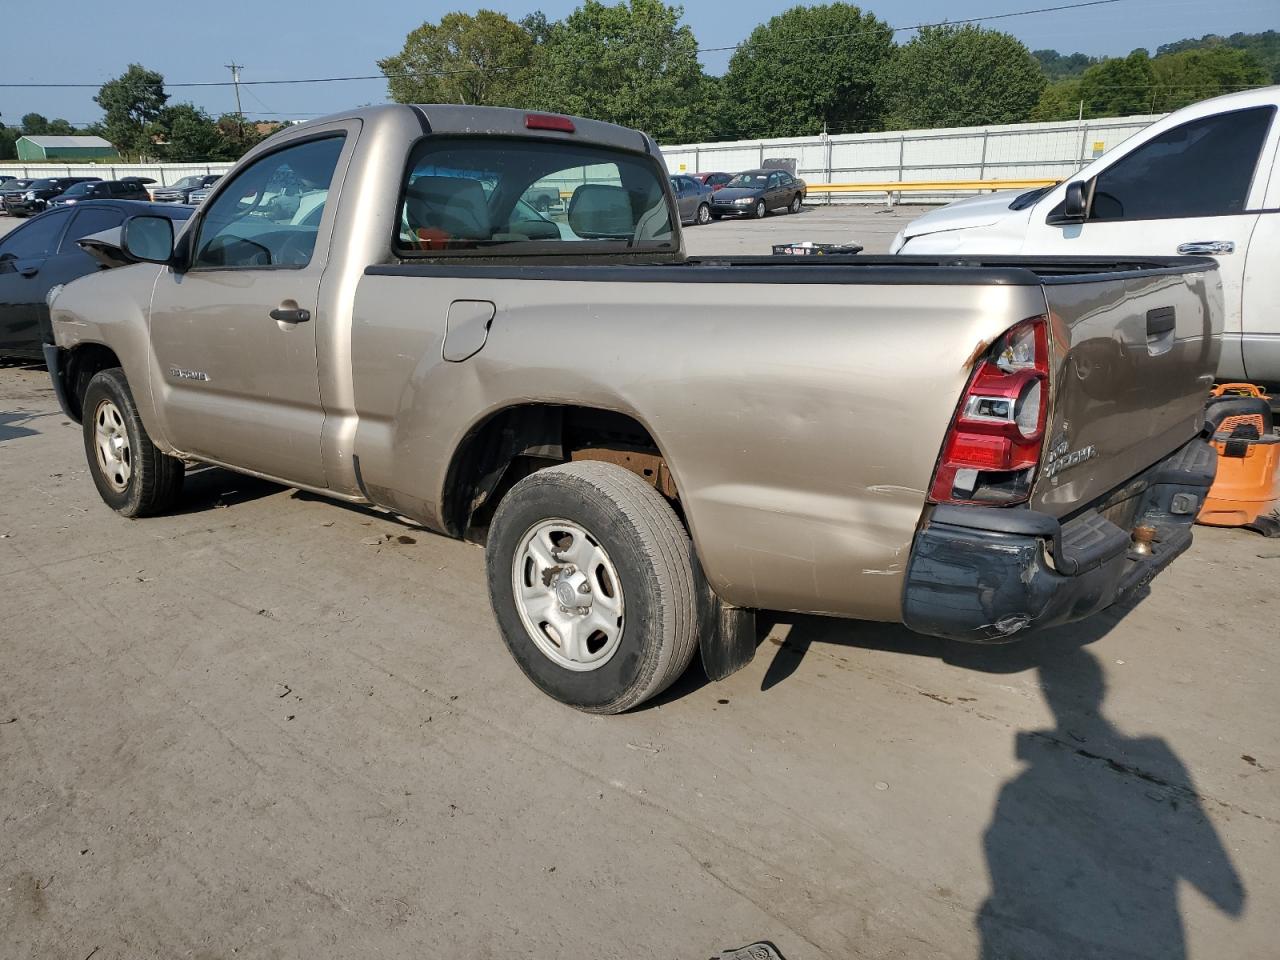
(454, 119)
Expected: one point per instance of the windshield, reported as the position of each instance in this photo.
(749, 180)
(46, 184)
(465, 194)
(186, 183)
(80, 190)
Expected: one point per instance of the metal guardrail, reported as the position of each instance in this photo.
(892, 188)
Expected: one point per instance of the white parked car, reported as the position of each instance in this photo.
(1203, 180)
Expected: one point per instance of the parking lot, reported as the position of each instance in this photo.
(271, 726)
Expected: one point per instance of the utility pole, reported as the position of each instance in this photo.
(235, 69)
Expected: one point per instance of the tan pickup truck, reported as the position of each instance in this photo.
(650, 446)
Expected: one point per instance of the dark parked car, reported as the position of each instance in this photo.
(38, 194)
(693, 199)
(713, 180)
(754, 193)
(42, 253)
(130, 188)
(180, 192)
(200, 194)
(15, 185)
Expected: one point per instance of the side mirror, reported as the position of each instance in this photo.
(149, 239)
(1075, 203)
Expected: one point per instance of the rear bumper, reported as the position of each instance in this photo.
(986, 574)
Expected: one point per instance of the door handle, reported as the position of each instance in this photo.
(28, 271)
(1212, 248)
(291, 314)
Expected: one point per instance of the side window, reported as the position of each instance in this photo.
(34, 239)
(775, 181)
(87, 221)
(1200, 169)
(269, 215)
(461, 195)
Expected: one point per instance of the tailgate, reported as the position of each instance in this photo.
(1134, 357)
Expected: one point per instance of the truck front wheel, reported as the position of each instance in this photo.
(133, 477)
(593, 584)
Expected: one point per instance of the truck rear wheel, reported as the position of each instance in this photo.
(591, 576)
(133, 477)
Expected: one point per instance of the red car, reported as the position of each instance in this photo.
(713, 180)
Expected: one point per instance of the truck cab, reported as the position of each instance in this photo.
(1203, 180)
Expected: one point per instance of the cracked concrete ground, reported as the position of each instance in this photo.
(270, 726)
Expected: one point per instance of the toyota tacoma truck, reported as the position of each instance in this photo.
(650, 446)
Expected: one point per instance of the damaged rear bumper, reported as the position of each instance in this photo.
(989, 574)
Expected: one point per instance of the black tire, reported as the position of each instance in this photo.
(654, 560)
(797, 204)
(154, 482)
(761, 210)
(703, 216)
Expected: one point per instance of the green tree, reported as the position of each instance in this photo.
(60, 128)
(633, 63)
(35, 125)
(237, 136)
(132, 102)
(1264, 46)
(1121, 86)
(1059, 101)
(807, 67)
(1196, 74)
(962, 76)
(483, 59)
(1058, 66)
(187, 133)
(8, 139)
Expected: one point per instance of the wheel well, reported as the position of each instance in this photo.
(82, 363)
(518, 441)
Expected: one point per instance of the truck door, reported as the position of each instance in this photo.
(1260, 325)
(234, 335)
(1189, 190)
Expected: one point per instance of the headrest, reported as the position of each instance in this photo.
(456, 205)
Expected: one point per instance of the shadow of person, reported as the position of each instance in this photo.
(1087, 845)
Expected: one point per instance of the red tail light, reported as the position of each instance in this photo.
(547, 121)
(992, 449)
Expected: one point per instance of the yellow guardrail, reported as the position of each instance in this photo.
(890, 187)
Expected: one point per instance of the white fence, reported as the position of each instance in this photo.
(1007, 152)
(1011, 151)
(162, 173)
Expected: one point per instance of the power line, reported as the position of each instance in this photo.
(447, 73)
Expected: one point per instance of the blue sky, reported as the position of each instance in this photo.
(283, 39)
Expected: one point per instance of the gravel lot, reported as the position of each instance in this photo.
(270, 726)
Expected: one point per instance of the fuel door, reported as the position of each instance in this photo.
(467, 328)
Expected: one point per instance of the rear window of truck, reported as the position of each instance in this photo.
(502, 196)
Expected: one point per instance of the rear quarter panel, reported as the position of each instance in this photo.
(802, 422)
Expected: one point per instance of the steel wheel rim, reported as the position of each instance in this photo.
(795, 205)
(760, 210)
(704, 215)
(568, 595)
(111, 441)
